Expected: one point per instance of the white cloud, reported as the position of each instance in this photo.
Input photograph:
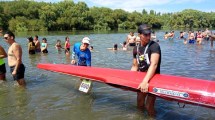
(187, 1)
(139, 5)
(129, 3)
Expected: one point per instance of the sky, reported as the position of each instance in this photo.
(163, 6)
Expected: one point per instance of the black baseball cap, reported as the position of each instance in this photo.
(144, 29)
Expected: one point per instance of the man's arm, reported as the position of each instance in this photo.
(17, 50)
(65, 44)
(29, 46)
(127, 40)
(3, 53)
(150, 73)
(88, 60)
(73, 55)
(134, 65)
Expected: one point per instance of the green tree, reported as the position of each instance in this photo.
(47, 13)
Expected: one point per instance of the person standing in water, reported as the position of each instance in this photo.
(212, 39)
(171, 35)
(82, 52)
(138, 39)
(3, 55)
(131, 39)
(37, 44)
(124, 45)
(17, 68)
(67, 45)
(146, 58)
(44, 46)
(166, 35)
(31, 46)
(58, 45)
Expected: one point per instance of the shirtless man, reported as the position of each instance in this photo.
(17, 68)
(207, 34)
(37, 44)
(191, 37)
(131, 39)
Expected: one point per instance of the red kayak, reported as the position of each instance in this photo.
(181, 89)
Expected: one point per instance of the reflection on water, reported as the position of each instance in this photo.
(55, 96)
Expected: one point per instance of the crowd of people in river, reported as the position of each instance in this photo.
(191, 37)
(34, 45)
(146, 55)
(15, 53)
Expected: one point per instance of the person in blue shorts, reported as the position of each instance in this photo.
(82, 52)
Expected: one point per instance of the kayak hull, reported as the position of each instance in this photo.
(176, 88)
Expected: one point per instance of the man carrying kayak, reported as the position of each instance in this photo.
(146, 58)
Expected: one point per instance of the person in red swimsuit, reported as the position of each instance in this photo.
(67, 45)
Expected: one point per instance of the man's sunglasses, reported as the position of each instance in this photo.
(5, 38)
(146, 34)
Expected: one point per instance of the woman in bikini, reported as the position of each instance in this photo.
(67, 45)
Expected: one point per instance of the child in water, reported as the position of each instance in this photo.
(91, 48)
(124, 45)
(58, 45)
(44, 46)
(31, 46)
(185, 41)
(115, 46)
(166, 35)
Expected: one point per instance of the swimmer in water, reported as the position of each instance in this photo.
(124, 45)
(115, 47)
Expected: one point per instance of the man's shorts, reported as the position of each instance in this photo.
(20, 72)
(2, 69)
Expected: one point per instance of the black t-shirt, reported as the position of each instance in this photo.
(152, 48)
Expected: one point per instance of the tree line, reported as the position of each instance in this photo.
(23, 15)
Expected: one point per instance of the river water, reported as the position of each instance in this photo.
(53, 96)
